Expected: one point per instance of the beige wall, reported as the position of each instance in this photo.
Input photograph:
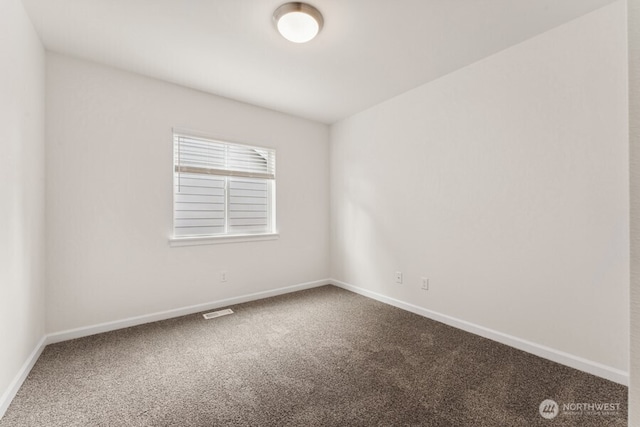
(109, 198)
(21, 193)
(506, 184)
(634, 144)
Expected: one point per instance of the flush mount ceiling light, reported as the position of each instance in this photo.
(298, 22)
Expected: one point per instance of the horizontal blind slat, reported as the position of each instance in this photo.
(197, 231)
(247, 229)
(223, 172)
(247, 221)
(248, 215)
(199, 191)
(195, 206)
(241, 207)
(200, 214)
(198, 198)
(200, 222)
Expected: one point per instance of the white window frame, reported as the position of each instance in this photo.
(207, 239)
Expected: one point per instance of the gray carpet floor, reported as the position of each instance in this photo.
(320, 357)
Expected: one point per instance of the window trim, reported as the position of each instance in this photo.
(176, 242)
(197, 240)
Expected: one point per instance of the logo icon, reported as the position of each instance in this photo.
(548, 409)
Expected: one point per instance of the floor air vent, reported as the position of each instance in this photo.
(218, 313)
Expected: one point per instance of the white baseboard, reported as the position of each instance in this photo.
(576, 362)
(12, 390)
(177, 312)
(572, 361)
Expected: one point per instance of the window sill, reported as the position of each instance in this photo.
(216, 240)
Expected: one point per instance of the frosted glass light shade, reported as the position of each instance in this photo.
(298, 22)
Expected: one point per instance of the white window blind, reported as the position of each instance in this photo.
(222, 188)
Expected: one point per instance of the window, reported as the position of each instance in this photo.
(222, 188)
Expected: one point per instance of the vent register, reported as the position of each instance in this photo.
(218, 313)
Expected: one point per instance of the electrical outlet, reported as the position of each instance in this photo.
(398, 277)
(425, 284)
(223, 276)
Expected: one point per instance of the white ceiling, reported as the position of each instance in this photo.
(367, 52)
